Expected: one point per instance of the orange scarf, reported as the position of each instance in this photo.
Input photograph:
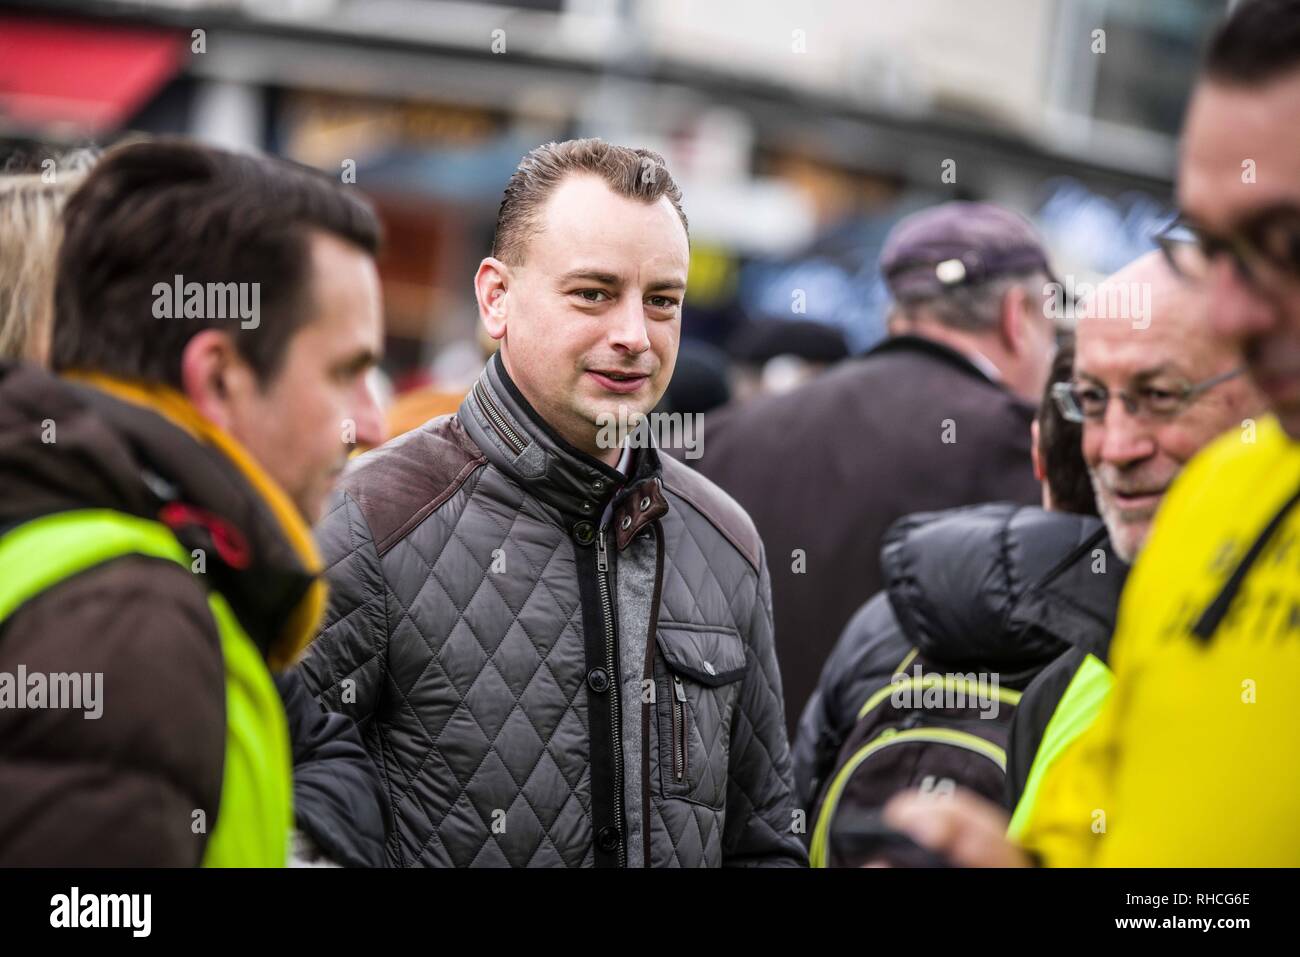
(305, 619)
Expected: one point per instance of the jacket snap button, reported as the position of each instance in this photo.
(645, 503)
(626, 523)
(584, 532)
(598, 680)
(586, 507)
(598, 486)
(607, 838)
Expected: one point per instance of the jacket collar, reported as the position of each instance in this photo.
(519, 442)
(258, 549)
(941, 351)
(1076, 600)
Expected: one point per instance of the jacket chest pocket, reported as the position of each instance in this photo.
(697, 683)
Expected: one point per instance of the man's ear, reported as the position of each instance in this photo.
(1014, 320)
(491, 285)
(212, 373)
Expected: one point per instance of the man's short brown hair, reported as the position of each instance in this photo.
(634, 173)
(154, 210)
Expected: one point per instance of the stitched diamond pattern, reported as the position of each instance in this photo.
(480, 721)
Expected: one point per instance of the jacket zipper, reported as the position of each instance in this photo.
(679, 728)
(503, 429)
(607, 613)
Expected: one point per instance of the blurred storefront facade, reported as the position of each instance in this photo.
(799, 133)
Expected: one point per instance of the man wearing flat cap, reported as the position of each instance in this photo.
(935, 417)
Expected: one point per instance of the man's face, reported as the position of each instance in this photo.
(1241, 166)
(592, 316)
(1132, 459)
(298, 424)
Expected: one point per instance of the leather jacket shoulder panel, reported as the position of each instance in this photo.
(398, 484)
(720, 509)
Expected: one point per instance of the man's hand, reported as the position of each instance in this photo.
(966, 829)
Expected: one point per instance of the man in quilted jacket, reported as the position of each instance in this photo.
(557, 641)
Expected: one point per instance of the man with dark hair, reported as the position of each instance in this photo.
(556, 641)
(935, 417)
(134, 249)
(215, 316)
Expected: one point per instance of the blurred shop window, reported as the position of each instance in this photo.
(1155, 48)
(1123, 69)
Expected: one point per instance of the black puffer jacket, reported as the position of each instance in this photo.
(996, 588)
(337, 798)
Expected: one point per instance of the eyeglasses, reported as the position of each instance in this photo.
(1264, 254)
(1078, 403)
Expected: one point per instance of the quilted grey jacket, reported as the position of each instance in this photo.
(539, 688)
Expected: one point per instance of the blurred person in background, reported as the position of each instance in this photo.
(438, 390)
(701, 380)
(996, 589)
(935, 417)
(777, 355)
(558, 644)
(1186, 388)
(1190, 761)
(30, 230)
(154, 504)
(1150, 393)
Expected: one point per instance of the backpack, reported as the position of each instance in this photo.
(928, 728)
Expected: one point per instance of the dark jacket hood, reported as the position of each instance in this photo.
(66, 445)
(1001, 583)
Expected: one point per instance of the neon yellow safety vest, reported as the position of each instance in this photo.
(1074, 714)
(255, 818)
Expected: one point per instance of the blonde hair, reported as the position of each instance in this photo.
(30, 230)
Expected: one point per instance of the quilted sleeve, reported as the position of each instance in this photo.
(762, 827)
(338, 799)
(345, 666)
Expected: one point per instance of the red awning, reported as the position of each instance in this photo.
(88, 76)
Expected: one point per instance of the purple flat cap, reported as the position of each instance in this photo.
(958, 244)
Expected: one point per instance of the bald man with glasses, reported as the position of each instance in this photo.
(1179, 386)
